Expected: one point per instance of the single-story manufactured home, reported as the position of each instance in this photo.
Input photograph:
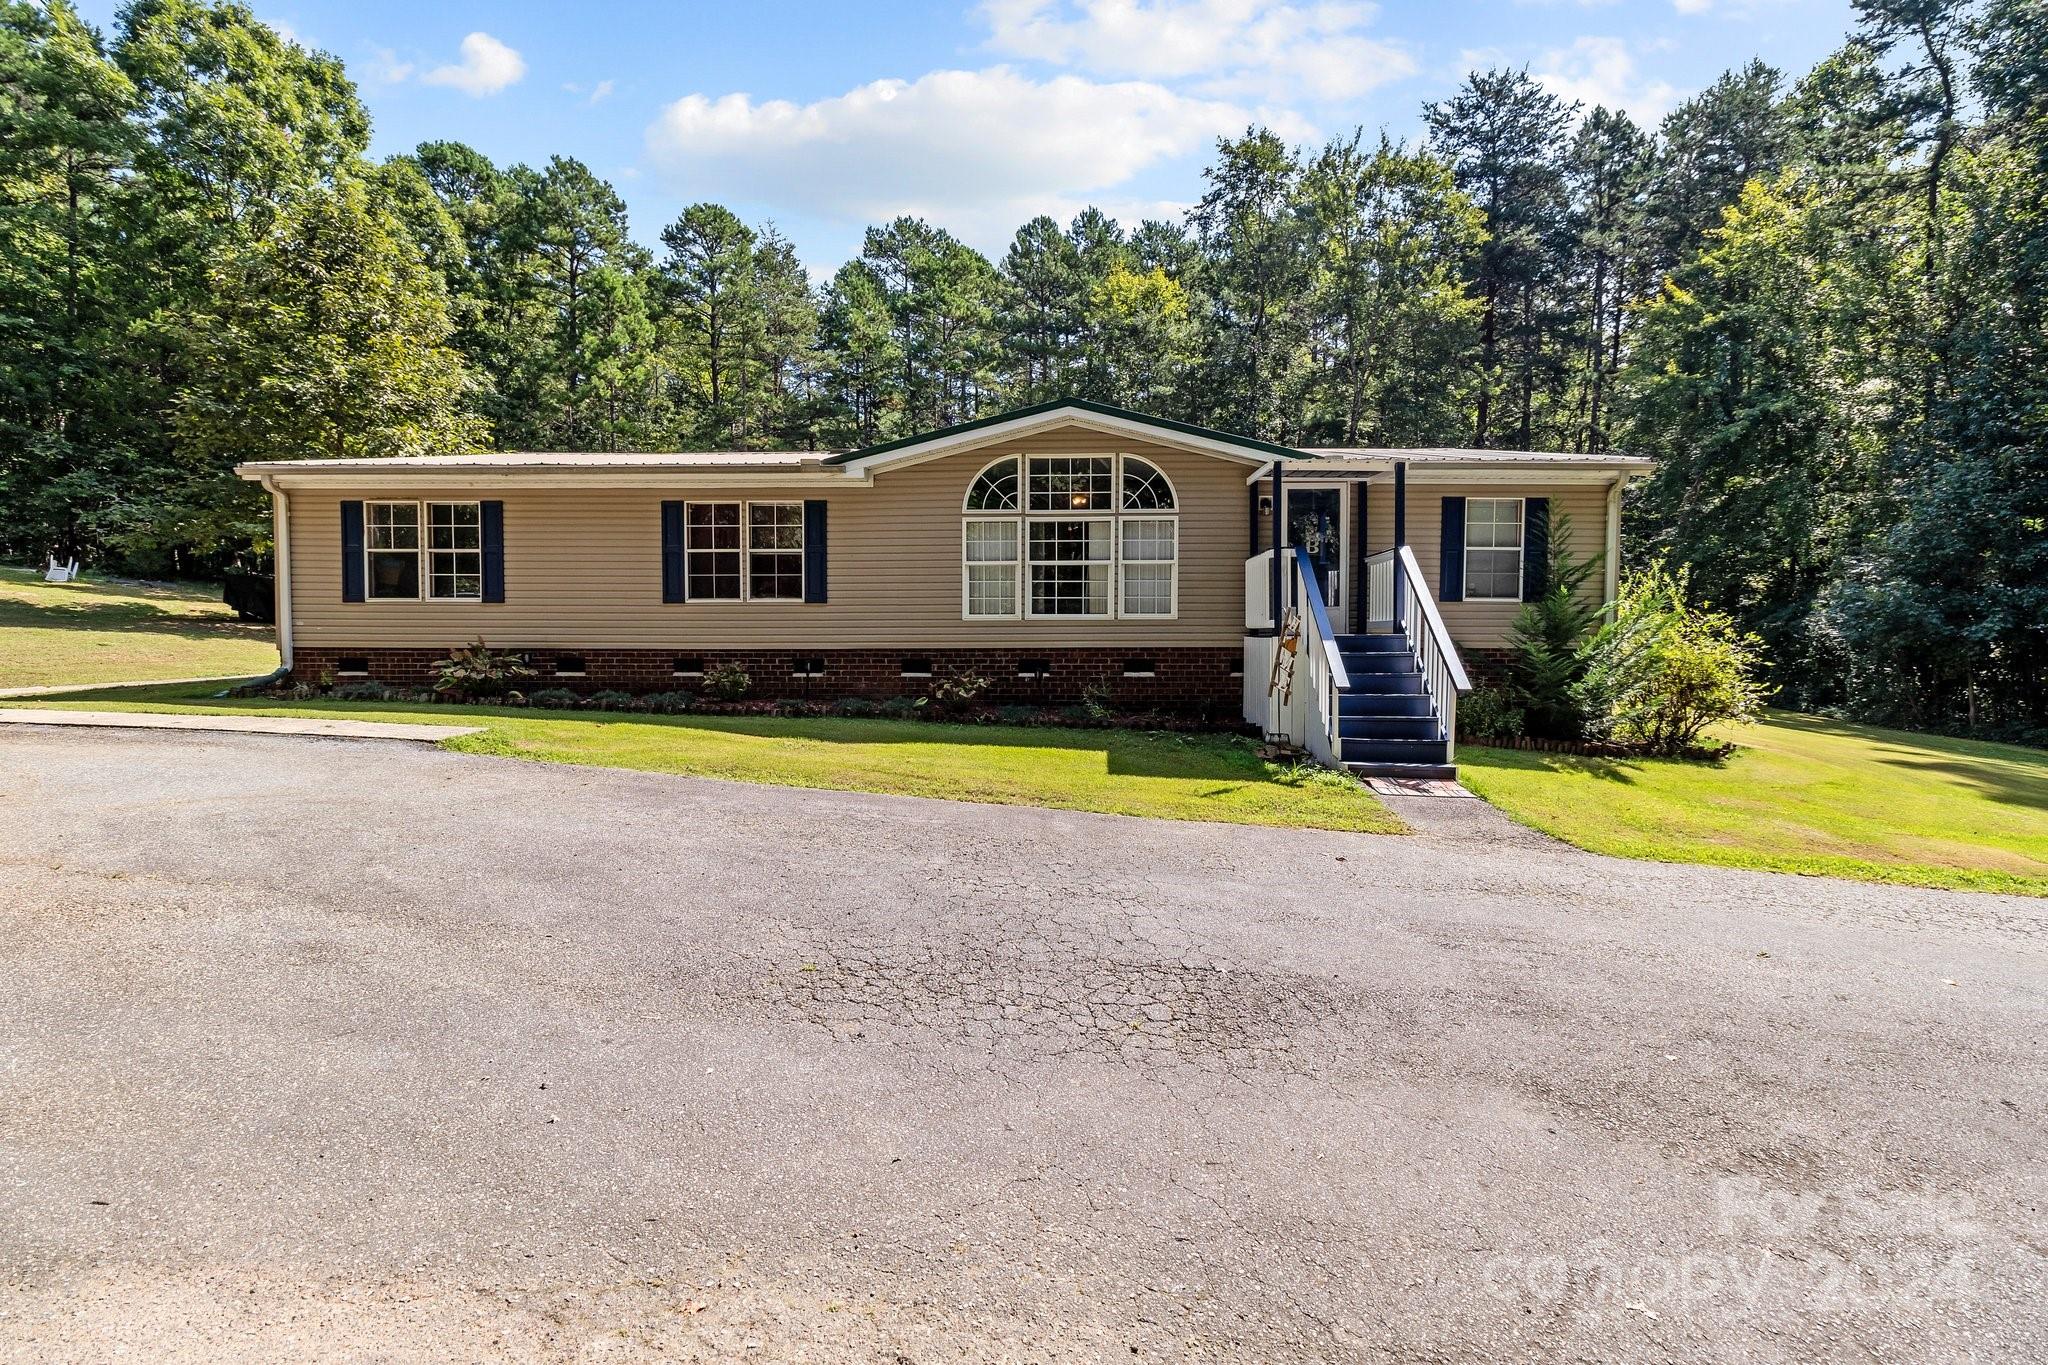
(1065, 549)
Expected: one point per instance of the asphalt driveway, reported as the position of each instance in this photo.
(314, 1049)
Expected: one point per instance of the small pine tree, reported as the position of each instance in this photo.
(1549, 639)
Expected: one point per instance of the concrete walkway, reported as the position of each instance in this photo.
(253, 725)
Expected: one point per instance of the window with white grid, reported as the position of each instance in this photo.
(775, 551)
(1092, 536)
(1493, 549)
(711, 552)
(990, 551)
(1148, 565)
(1069, 566)
(455, 550)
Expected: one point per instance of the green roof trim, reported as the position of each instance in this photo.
(1083, 405)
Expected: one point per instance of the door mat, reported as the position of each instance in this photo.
(1416, 786)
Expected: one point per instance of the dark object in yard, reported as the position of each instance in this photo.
(252, 595)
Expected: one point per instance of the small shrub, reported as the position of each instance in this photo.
(554, 698)
(855, 706)
(728, 682)
(1549, 640)
(477, 671)
(1489, 712)
(957, 691)
(797, 706)
(361, 691)
(1020, 715)
(906, 708)
(609, 700)
(1663, 670)
(668, 703)
(1096, 701)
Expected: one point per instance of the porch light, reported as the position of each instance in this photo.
(1077, 500)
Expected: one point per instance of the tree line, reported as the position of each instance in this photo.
(1817, 300)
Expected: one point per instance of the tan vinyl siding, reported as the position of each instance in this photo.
(583, 567)
(1484, 625)
(1475, 625)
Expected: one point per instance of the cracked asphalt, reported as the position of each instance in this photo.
(323, 1050)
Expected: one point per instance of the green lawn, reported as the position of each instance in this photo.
(1123, 772)
(93, 632)
(1801, 794)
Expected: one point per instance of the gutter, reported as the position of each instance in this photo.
(281, 525)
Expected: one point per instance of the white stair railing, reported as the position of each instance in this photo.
(1298, 704)
(1396, 592)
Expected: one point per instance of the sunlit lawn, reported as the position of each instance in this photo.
(92, 632)
(1800, 794)
(1124, 772)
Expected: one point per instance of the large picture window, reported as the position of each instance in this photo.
(437, 546)
(744, 551)
(1075, 536)
(1493, 549)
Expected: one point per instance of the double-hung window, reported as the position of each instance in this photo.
(1493, 549)
(1069, 536)
(437, 546)
(744, 551)
(1070, 563)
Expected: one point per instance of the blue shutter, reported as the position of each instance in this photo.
(1451, 549)
(351, 551)
(814, 549)
(1535, 548)
(672, 589)
(493, 518)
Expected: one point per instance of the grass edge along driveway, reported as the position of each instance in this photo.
(1202, 777)
(1801, 794)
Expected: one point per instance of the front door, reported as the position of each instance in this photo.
(1315, 522)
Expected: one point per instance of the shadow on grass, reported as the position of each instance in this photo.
(128, 617)
(1617, 770)
(2010, 774)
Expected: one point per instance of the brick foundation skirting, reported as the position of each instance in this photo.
(1486, 666)
(1180, 678)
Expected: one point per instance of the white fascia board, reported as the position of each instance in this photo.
(1020, 427)
(472, 477)
(1510, 475)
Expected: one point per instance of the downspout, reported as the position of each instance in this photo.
(1613, 546)
(281, 535)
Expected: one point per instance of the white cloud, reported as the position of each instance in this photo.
(487, 66)
(601, 91)
(1603, 71)
(1267, 49)
(1692, 6)
(971, 149)
(385, 68)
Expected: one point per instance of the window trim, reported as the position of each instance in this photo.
(1016, 570)
(1113, 564)
(1521, 548)
(422, 552)
(1173, 580)
(1116, 514)
(746, 553)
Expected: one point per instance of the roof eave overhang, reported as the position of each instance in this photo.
(1110, 422)
(423, 477)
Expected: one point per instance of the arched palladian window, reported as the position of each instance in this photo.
(1087, 536)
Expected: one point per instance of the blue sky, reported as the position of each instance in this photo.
(825, 117)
